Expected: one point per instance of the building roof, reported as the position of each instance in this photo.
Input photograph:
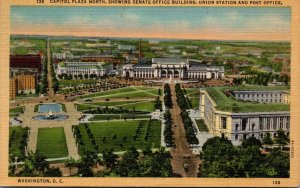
(230, 104)
(169, 60)
(196, 67)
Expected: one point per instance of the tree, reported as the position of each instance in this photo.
(128, 166)
(252, 142)
(109, 158)
(35, 165)
(267, 140)
(86, 162)
(281, 138)
(53, 172)
(156, 165)
(70, 163)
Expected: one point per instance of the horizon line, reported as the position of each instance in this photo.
(156, 38)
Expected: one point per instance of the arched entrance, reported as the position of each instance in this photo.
(127, 74)
(176, 74)
(213, 75)
(170, 74)
(163, 74)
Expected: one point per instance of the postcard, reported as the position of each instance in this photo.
(164, 93)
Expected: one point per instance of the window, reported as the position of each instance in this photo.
(236, 127)
(244, 123)
(253, 126)
(274, 123)
(223, 121)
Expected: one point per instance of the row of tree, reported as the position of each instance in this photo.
(131, 164)
(35, 165)
(22, 145)
(79, 76)
(262, 78)
(55, 83)
(168, 96)
(190, 130)
(168, 133)
(44, 80)
(222, 160)
(158, 104)
(107, 110)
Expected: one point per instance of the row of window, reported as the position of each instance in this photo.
(264, 123)
(259, 95)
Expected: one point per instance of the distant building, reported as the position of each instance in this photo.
(13, 88)
(126, 47)
(83, 68)
(26, 83)
(22, 83)
(175, 68)
(26, 61)
(263, 96)
(237, 120)
(63, 55)
(103, 58)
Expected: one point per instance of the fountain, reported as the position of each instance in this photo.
(50, 116)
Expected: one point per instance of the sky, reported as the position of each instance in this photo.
(201, 23)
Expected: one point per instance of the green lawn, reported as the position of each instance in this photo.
(113, 103)
(230, 104)
(128, 92)
(16, 142)
(118, 116)
(192, 91)
(201, 125)
(16, 110)
(76, 82)
(110, 92)
(52, 142)
(194, 102)
(138, 106)
(20, 96)
(124, 131)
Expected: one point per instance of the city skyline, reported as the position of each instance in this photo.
(208, 23)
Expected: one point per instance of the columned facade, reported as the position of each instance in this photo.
(173, 68)
(238, 126)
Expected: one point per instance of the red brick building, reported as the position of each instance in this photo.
(26, 61)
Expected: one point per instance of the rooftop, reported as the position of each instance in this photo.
(169, 60)
(230, 104)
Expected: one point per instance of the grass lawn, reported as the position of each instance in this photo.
(113, 103)
(139, 106)
(201, 125)
(230, 104)
(192, 91)
(100, 117)
(130, 92)
(16, 142)
(110, 92)
(52, 142)
(20, 96)
(17, 110)
(124, 132)
(194, 102)
(76, 82)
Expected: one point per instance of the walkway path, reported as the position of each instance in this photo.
(66, 124)
(182, 146)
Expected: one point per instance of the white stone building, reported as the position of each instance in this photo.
(237, 125)
(82, 68)
(175, 68)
